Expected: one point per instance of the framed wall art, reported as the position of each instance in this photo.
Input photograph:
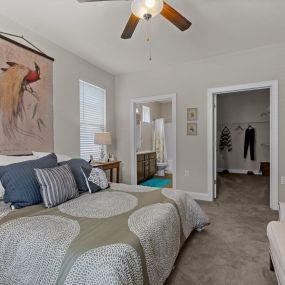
(192, 114)
(192, 129)
(26, 99)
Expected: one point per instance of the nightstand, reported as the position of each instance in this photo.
(110, 166)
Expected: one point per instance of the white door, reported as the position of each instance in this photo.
(215, 146)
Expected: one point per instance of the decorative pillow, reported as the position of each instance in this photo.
(9, 159)
(92, 187)
(57, 185)
(75, 165)
(20, 183)
(96, 179)
(60, 157)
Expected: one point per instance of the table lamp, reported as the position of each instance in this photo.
(102, 138)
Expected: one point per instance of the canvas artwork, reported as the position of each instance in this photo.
(26, 99)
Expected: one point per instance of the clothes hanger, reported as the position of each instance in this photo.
(239, 128)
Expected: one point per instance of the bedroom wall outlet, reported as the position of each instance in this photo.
(186, 172)
(283, 180)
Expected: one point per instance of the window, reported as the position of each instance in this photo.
(92, 118)
(145, 114)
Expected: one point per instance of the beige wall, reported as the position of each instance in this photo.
(68, 69)
(166, 111)
(157, 110)
(244, 108)
(146, 128)
(190, 81)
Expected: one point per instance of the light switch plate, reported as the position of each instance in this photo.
(283, 180)
(186, 172)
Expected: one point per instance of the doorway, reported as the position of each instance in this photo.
(241, 162)
(153, 141)
(243, 144)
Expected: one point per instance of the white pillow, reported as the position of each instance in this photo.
(2, 191)
(60, 157)
(7, 159)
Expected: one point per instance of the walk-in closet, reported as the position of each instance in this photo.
(243, 146)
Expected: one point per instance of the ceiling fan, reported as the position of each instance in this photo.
(147, 9)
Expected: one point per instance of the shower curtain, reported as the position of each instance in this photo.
(159, 143)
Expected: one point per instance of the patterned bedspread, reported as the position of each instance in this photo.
(121, 236)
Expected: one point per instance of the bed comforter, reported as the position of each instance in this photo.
(123, 235)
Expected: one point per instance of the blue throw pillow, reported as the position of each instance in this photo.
(19, 180)
(76, 164)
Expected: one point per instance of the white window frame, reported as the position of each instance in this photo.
(144, 110)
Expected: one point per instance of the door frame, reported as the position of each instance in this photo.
(140, 100)
(274, 174)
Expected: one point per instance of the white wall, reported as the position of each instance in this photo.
(244, 108)
(190, 81)
(68, 69)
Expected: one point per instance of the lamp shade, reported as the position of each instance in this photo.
(103, 138)
(144, 7)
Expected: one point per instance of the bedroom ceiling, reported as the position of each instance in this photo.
(93, 30)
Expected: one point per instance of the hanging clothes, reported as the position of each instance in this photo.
(249, 140)
(159, 143)
(226, 139)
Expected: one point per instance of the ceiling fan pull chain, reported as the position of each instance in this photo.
(148, 39)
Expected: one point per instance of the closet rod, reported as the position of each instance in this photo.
(244, 123)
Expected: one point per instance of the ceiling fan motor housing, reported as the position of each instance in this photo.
(147, 16)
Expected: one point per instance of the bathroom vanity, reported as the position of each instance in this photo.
(146, 165)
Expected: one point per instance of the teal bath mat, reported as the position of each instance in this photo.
(157, 182)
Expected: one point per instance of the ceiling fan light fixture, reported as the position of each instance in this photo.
(151, 8)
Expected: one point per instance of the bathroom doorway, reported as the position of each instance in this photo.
(153, 141)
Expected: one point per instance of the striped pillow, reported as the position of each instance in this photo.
(57, 185)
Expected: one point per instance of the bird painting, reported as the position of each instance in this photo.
(16, 81)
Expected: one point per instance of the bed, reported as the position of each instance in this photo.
(122, 235)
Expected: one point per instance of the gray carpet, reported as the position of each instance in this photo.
(233, 249)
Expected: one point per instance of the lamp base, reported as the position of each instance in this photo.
(102, 154)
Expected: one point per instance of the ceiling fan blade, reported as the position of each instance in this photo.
(84, 1)
(175, 17)
(130, 27)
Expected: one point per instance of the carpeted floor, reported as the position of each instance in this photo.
(233, 250)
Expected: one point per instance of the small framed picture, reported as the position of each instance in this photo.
(192, 129)
(192, 114)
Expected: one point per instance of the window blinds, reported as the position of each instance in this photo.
(92, 118)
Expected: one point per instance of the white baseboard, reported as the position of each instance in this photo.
(240, 171)
(200, 196)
